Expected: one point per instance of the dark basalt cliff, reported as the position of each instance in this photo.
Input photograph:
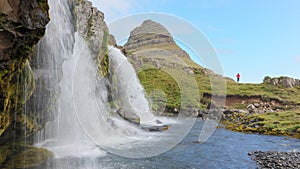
(22, 24)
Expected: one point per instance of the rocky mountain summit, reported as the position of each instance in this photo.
(151, 35)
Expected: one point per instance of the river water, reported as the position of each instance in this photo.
(225, 149)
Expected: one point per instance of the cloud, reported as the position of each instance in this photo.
(115, 9)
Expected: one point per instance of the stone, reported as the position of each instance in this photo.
(283, 81)
(128, 116)
(6, 39)
(111, 40)
(243, 111)
(91, 26)
(257, 105)
(5, 7)
(276, 159)
(155, 128)
(251, 107)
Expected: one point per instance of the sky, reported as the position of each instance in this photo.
(254, 38)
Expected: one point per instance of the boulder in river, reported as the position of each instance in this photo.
(129, 116)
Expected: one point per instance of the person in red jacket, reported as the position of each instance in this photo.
(238, 76)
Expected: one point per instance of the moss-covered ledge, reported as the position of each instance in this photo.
(14, 156)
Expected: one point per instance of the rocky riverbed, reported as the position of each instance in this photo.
(276, 160)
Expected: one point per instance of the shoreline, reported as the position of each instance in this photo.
(265, 123)
(273, 159)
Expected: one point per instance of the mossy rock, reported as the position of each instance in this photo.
(4, 122)
(5, 152)
(17, 93)
(103, 62)
(29, 158)
(43, 4)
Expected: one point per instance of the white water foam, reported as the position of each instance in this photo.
(130, 91)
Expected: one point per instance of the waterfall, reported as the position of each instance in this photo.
(129, 90)
(80, 121)
(57, 55)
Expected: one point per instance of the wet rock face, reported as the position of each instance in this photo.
(31, 14)
(276, 159)
(91, 26)
(22, 24)
(286, 82)
(129, 116)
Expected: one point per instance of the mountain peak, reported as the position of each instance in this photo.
(153, 35)
(150, 27)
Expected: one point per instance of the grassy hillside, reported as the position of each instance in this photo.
(176, 88)
(153, 79)
(285, 122)
(287, 95)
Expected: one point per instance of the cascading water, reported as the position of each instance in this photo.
(58, 53)
(82, 118)
(128, 87)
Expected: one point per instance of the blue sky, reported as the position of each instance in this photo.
(255, 38)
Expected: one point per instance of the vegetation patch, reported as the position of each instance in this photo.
(43, 4)
(158, 80)
(104, 57)
(285, 123)
(289, 96)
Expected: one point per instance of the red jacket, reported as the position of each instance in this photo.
(238, 75)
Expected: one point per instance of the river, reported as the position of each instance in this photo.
(223, 150)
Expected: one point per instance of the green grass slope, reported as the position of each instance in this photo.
(153, 79)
